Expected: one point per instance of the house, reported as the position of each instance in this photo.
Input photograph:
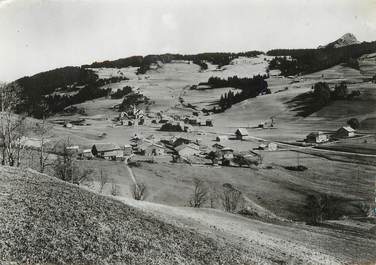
(345, 132)
(241, 133)
(85, 154)
(68, 125)
(217, 146)
(316, 137)
(268, 147)
(227, 153)
(107, 151)
(128, 150)
(179, 141)
(221, 138)
(202, 123)
(186, 150)
(188, 128)
(73, 149)
(209, 123)
(151, 149)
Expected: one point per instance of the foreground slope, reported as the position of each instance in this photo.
(46, 221)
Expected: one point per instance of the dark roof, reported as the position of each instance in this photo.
(103, 147)
(242, 131)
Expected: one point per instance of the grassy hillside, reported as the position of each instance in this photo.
(46, 221)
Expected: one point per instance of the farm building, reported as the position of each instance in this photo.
(221, 138)
(227, 153)
(85, 154)
(73, 149)
(180, 140)
(241, 133)
(151, 149)
(316, 137)
(107, 151)
(268, 147)
(217, 146)
(128, 150)
(187, 150)
(188, 128)
(202, 123)
(68, 125)
(345, 132)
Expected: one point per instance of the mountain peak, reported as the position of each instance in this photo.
(346, 40)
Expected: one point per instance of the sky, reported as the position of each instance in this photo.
(40, 35)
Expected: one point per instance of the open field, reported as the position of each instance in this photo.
(275, 195)
(47, 221)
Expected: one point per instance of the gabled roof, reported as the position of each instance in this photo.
(348, 128)
(224, 149)
(103, 147)
(315, 134)
(242, 131)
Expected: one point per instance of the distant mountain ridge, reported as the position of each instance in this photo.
(345, 40)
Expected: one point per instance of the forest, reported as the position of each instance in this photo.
(304, 61)
(250, 88)
(37, 97)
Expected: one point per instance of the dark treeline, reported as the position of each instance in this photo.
(36, 92)
(311, 60)
(250, 88)
(144, 63)
(320, 96)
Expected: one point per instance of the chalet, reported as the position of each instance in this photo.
(152, 149)
(68, 125)
(268, 147)
(128, 150)
(107, 151)
(316, 137)
(179, 141)
(217, 146)
(73, 149)
(227, 153)
(186, 150)
(188, 128)
(85, 154)
(241, 133)
(345, 132)
(202, 123)
(221, 138)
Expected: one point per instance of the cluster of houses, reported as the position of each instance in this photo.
(321, 137)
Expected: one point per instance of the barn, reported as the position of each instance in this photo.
(316, 137)
(186, 150)
(241, 133)
(107, 151)
(345, 132)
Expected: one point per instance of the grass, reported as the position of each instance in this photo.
(47, 221)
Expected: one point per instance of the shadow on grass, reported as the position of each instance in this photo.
(305, 104)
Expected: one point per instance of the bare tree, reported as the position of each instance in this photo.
(13, 127)
(66, 167)
(138, 191)
(200, 194)
(103, 180)
(114, 189)
(231, 198)
(43, 131)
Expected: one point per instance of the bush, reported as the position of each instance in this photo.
(138, 191)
